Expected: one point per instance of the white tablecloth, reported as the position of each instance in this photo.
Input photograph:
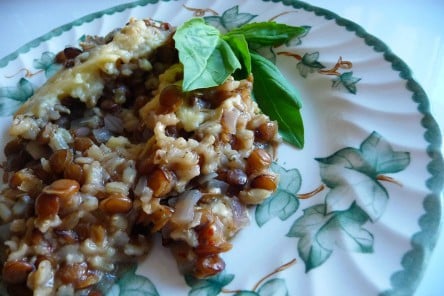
(414, 30)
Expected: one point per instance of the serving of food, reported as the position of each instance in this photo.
(185, 135)
(117, 146)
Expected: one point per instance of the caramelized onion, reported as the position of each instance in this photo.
(184, 208)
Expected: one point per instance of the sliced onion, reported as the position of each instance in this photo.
(140, 186)
(210, 182)
(240, 213)
(202, 179)
(184, 210)
(217, 184)
(229, 120)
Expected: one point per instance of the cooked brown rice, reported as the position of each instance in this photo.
(110, 151)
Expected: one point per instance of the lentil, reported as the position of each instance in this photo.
(136, 157)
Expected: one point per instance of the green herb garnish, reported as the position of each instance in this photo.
(278, 99)
(267, 33)
(207, 58)
(210, 57)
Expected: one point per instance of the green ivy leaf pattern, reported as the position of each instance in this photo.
(346, 80)
(13, 96)
(230, 19)
(82, 38)
(321, 233)
(307, 227)
(107, 284)
(47, 64)
(211, 286)
(114, 291)
(309, 64)
(352, 175)
(132, 284)
(20, 93)
(269, 51)
(8, 107)
(273, 287)
(356, 196)
(284, 202)
(247, 293)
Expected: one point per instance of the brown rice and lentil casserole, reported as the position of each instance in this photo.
(110, 151)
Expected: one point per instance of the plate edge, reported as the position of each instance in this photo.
(4, 61)
(422, 242)
(414, 261)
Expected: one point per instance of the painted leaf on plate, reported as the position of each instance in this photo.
(320, 234)
(113, 291)
(133, 284)
(307, 229)
(46, 62)
(354, 175)
(346, 80)
(346, 231)
(230, 19)
(210, 286)
(284, 202)
(21, 92)
(246, 293)
(269, 51)
(273, 287)
(350, 186)
(11, 97)
(309, 64)
(108, 283)
(377, 151)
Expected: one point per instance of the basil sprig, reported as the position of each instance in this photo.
(209, 58)
(278, 99)
(267, 33)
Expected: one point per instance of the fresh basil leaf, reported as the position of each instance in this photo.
(267, 33)
(221, 64)
(240, 48)
(208, 60)
(196, 42)
(278, 99)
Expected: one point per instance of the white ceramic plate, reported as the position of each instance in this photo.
(371, 162)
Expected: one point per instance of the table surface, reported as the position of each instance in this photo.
(414, 30)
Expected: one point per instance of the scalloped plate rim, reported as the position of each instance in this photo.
(422, 243)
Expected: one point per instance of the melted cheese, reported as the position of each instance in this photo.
(85, 80)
